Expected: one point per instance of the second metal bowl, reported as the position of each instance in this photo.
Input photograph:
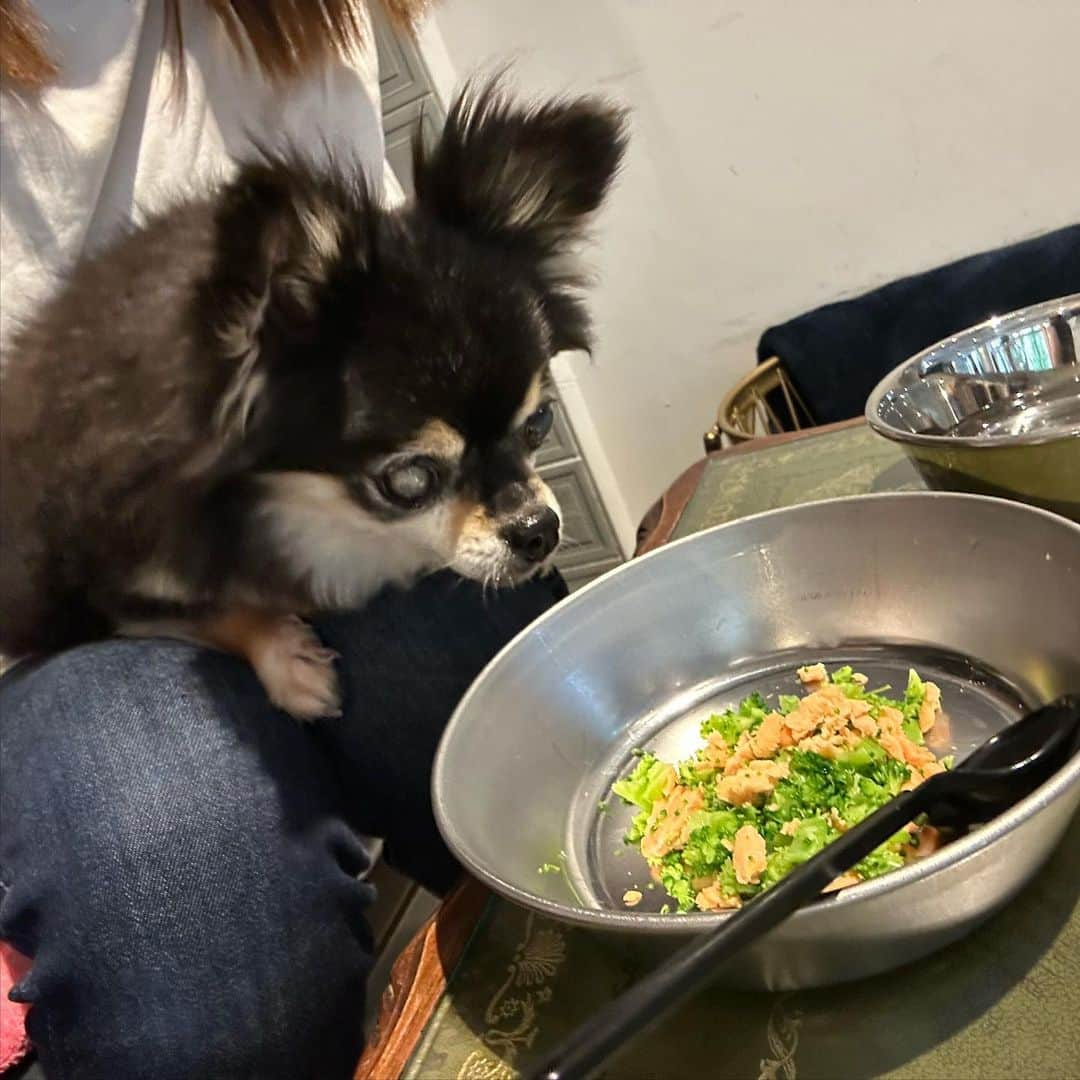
(995, 409)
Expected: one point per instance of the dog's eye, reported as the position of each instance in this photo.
(538, 425)
(411, 484)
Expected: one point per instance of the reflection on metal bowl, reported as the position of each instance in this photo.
(995, 409)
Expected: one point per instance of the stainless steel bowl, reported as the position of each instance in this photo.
(981, 595)
(995, 409)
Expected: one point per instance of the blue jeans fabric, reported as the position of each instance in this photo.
(180, 860)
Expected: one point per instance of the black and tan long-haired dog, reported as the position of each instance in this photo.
(275, 400)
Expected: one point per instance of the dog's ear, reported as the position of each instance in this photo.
(283, 230)
(527, 177)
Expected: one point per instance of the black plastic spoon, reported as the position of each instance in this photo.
(990, 780)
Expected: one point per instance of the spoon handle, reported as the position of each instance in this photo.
(692, 966)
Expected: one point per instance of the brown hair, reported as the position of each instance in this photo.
(286, 38)
(24, 60)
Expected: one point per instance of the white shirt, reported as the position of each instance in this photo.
(111, 140)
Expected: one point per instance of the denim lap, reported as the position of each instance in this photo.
(180, 859)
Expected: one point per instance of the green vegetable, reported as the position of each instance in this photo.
(908, 707)
(645, 784)
(867, 756)
(637, 827)
(845, 676)
(914, 696)
(788, 703)
(916, 691)
(705, 852)
(809, 838)
(813, 783)
(870, 759)
(885, 858)
(674, 878)
(912, 730)
(695, 771)
(731, 886)
(733, 722)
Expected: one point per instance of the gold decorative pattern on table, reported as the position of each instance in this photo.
(512, 1013)
(782, 1034)
(478, 1066)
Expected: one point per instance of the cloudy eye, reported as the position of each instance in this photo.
(411, 484)
(538, 425)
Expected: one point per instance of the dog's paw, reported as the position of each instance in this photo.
(297, 670)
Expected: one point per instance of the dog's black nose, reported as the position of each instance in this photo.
(535, 536)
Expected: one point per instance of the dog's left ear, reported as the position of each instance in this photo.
(525, 177)
(283, 228)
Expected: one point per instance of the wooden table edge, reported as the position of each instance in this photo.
(418, 980)
(420, 974)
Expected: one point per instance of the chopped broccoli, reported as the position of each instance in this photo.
(637, 827)
(910, 727)
(916, 690)
(813, 782)
(853, 786)
(787, 703)
(885, 858)
(863, 798)
(865, 757)
(705, 852)
(810, 836)
(732, 886)
(870, 759)
(695, 771)
(891, 774)
(674, 878)
(645, 784)
(908, 707)
(914, 696)
(733, 722)
(855, 688)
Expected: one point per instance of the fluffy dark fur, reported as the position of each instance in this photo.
(288, 326)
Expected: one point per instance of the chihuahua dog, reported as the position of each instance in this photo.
(275, 400)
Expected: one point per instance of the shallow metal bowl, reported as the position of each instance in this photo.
(982, 595)
(995, 409)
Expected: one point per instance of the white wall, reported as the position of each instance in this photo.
(784, 154)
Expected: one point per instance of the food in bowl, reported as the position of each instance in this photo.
(771, 786)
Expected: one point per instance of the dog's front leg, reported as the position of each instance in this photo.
(295, 668)
(293, 665)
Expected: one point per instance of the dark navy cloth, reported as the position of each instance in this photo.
(837, 354)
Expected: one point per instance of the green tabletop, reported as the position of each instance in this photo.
(852, 461)
(1003, 1004)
